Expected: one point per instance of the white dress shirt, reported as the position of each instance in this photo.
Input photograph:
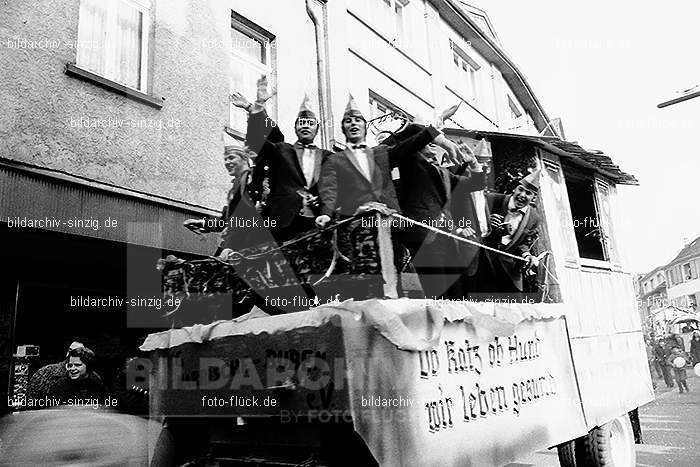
(480, 207)
(512, 220)
(362, 159)
(308, 164)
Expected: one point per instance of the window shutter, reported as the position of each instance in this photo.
(605, 219)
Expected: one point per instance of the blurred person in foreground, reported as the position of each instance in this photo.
(76, 436)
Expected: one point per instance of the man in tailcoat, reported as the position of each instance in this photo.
(360, 174)
(291, 170)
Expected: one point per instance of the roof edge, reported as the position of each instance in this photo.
(452, 10)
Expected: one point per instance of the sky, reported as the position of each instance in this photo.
(603, 66)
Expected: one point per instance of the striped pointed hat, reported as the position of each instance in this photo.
(305, 110)
(352, 109)
(532, 181)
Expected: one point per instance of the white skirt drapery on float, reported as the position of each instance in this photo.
(403, 322)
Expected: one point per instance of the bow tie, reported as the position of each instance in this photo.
(515, 211)
(358, 146)
(301, 145)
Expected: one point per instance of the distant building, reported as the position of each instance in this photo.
(651, 292)
(676, 284)
(683, 278)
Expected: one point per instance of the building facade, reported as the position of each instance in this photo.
(651, 293)
(116, 115)
(674, 286)
(683, 278)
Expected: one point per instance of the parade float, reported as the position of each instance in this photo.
(339, 362)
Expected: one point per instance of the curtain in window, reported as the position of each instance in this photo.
(109, 40)
(127, 55)
(92, 36)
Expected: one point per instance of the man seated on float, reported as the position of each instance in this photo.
(292, 170)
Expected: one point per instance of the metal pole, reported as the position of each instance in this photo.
(679, 99)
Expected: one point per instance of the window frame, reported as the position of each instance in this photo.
(268, 68)
(467, 68)
(592, 184)
(396, 11)
(143, 7)
(375, 100)
(689, 271)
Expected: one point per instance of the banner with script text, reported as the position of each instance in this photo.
(474, 399)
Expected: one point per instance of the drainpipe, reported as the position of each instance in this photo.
(318, 14)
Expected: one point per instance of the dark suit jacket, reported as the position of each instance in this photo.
(280, 162)
(429, 193)
(240, 205)
(464, 211)
(343, 187)
(414, 200)
(523, 238)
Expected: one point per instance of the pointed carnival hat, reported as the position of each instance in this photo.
(352, 109)
(532, 181)
(482, 151)
(305, 110)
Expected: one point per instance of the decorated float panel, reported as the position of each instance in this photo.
(422, 382)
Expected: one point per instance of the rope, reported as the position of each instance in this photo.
(288, 243)
(337, 225)
(476, 244)
(456, 237)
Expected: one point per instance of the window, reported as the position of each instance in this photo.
(692, 302)
(379, 107)
(515, 114)
(113, 40)
(393, 15)
(251, 57)
(688, 272)
(590, 238)
(465, 72)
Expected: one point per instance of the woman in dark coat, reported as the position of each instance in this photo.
(695, 348)
(80, 386)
